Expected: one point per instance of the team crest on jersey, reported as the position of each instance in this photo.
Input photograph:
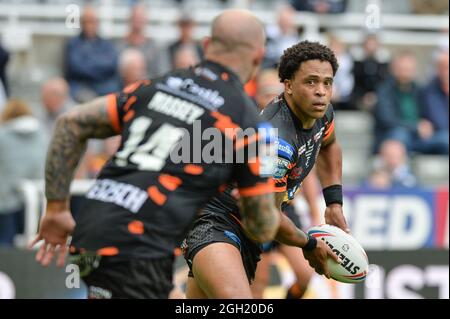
(281, 168)
(296, 173)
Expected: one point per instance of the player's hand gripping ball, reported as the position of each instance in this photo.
(354, 265)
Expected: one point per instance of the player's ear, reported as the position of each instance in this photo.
(288, 86)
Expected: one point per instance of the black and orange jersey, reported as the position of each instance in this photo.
(297, 147)
(148, 194)
(297, 151)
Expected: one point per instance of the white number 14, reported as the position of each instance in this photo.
(151, 155)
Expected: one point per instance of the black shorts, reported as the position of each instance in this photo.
(220, 228)
(110, 278)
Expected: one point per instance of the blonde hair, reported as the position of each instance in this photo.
(14, 108)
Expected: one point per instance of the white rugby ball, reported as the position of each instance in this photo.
(354, 265)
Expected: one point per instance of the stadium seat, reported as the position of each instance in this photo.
(431, 170)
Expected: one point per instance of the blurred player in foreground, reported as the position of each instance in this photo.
(144, 201)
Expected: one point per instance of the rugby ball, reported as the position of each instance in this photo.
(354, 265)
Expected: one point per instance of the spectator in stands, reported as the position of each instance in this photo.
(182, 2)
(435, 108)
(280, 36)
(90, 61)
(185, 57)
(320, 6)
(4, 57)
(55, 101)
(429, 6)
(378, 178)
(391, 167)
(343, 80)
(22, 156)
(268, 86)
(132, 66)
(369, 70)
(397, 111)
(156, 62)
(186, 26)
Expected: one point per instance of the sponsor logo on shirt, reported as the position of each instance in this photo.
(188, 85)
(285, 149)
(125, 195)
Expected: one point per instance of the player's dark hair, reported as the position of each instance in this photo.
(303, 51)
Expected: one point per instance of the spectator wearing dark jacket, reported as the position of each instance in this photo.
(435, 108)
(90, 61)
(186, 26)
(397, 112)
(370, 69)
(320, 6)
(137, 38)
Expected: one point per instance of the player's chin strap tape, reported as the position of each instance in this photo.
(333, 194)
(311, 244)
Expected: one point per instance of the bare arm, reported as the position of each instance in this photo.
(68, 144)
(260, 217)
(289, 234)
(329, 162)
(317, 257)
(329, 170)
(279, 199)
(73, 129)
(310, 191)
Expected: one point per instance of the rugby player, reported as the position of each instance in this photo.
(222, 257)
(143, 201)
(268, 86)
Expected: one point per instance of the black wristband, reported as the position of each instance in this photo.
(333, 194)
(311, 244)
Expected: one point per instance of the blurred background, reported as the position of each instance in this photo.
(390, 97)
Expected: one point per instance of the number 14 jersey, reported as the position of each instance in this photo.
(166, 168)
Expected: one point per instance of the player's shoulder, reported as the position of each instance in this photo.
(272, 110)
(279, 115)
(247, 114)
(329, 114)
(237, 105)
(137, 86)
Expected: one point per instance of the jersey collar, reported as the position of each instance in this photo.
(297, 122)
(222, 70)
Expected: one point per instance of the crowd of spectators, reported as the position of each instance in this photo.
(410, 117)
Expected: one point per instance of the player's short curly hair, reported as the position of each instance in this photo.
(304, 51)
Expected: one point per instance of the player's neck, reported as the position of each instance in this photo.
(234, 64)
(305, 121)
